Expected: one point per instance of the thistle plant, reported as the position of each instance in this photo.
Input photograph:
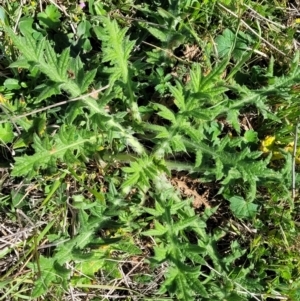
(104, 151)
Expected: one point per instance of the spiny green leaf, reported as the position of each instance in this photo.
(163, 134)
(153, 212)
(50, 56)
(183, 290)
(177, 144)
(166, 113)
(185, 223)
(30, 50)
(196, 285)
(169, 283)
(178, 94)
(132, 180)
(47, 152)
(87, 80)
(116, 48)
(199, 156)
(128, 47)
(214, 75)
(40, 49)
(196, 77)
(48, 90)
(232, 118)
(159, 230)
(219, 169)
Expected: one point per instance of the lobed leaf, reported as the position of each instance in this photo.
(166, 113)
(241, 208)
(87, 80)
(178, 95)
(63, 63)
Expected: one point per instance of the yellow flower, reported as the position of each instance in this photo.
(267, 144)
(3, 99)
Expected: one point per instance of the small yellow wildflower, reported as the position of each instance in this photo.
(297, 21)
(267, 144)
(3, 99)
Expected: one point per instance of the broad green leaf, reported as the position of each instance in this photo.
(83, 29)
(90, 267)
(47, 277)
(241, 208)
(3, 17)
(20, 63)
(250, 136)
(160, 253)
(6, 133)
(11, 84)
(229, 42)
(159, 34)
(50, 17)
(225, 42)
(154, 232)
(25, 26)
(175, 39)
